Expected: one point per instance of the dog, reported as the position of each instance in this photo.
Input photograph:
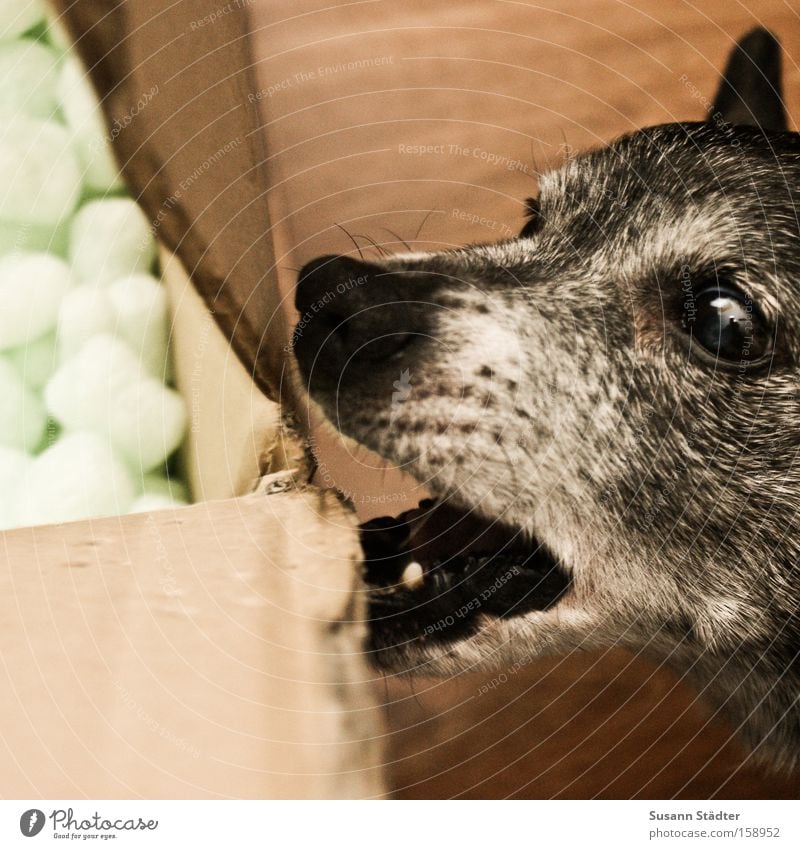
(607, 406)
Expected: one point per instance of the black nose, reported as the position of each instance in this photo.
(352, 312)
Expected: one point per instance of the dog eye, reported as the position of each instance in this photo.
(726, 323)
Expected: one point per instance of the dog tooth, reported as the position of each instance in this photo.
(412, 576)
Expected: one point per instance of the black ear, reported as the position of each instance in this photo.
(750, 92)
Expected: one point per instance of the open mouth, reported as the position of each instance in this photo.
(436, 573)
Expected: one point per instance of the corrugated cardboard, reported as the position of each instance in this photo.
(205, 652)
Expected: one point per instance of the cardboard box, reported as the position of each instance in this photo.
(202, 652)
(271, 124)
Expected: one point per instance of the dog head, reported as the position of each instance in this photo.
(614, 394)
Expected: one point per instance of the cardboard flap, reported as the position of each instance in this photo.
(210, 651)
(174, 80)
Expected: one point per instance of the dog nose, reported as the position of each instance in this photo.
(351, 311)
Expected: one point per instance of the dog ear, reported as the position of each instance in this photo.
(751, 91)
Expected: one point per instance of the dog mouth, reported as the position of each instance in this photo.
(437, 574)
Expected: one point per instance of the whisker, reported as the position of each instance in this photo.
(424, 221)
(382, 251)
(402, 241)
(352, 239)
(536, 174)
